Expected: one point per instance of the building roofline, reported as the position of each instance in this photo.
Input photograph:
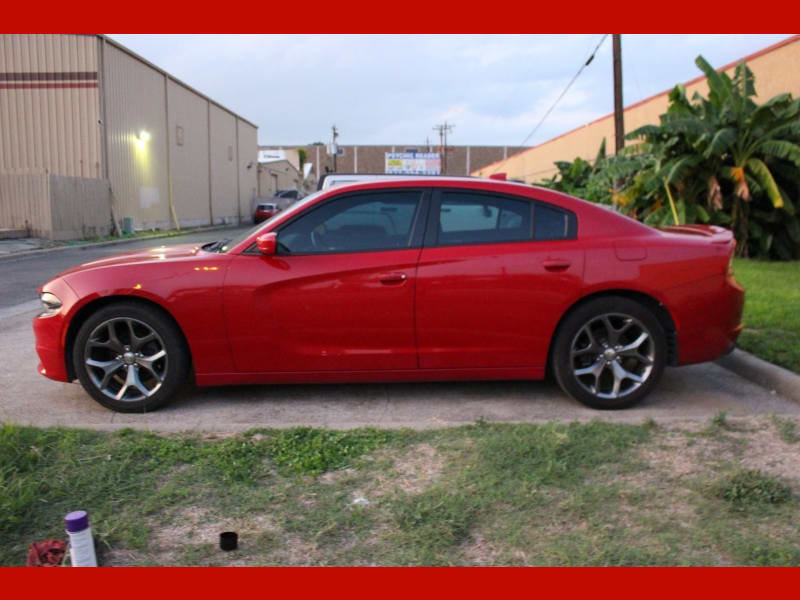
(766, 50)
(171, 77)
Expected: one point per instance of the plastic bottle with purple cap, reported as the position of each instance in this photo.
(81, 543)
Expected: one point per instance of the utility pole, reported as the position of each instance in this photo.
(619, 125)
(443, 130)
(334, 147)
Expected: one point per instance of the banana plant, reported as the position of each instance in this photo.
(725, 159)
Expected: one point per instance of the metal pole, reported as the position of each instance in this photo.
(619, 125)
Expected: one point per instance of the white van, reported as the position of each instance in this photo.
(328, 180)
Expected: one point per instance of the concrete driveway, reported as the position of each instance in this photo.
(687, 393)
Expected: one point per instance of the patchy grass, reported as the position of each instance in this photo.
(484, 494)
(787, 429)
(771, 311)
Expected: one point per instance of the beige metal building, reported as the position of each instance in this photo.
(776, 70)
(83, 107)
(278, 175)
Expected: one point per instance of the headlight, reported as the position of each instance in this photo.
(50, 303)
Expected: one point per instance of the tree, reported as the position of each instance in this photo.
(724, 159)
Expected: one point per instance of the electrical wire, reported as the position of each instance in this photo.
(563, 93)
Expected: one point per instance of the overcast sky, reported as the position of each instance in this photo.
(392, 89)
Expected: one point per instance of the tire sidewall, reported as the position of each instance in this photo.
(174, 345)
(561, 363)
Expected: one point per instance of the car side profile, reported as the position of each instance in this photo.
(415, 279)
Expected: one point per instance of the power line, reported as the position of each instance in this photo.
(563, 93)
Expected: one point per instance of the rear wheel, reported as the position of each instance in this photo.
(609, 353)
(130, 358)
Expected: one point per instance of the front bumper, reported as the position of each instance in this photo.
(50, 333)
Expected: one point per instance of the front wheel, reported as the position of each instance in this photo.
(130, 358)
(609, 353)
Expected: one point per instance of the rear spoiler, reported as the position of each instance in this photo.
(718, 235)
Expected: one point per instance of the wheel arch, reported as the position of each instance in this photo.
(85, 311)
(651, 303)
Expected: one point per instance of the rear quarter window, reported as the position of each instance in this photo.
(552, 223)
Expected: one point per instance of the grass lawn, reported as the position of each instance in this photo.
(723, 492)
(771, 310)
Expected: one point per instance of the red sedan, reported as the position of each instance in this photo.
(404, 280)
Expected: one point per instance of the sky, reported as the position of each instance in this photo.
(393, 89)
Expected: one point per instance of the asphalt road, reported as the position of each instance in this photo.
(21, 277)
(688, 393)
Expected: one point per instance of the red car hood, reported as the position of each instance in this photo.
(143, 255)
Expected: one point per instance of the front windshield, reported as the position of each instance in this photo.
(226, 244)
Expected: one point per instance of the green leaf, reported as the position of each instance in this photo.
(601, 154)
(764, 177)
(718, 83)
(722, 140)
(781, 149)
(677, 170)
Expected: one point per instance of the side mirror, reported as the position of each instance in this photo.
(267, 243)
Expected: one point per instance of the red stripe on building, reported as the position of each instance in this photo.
(49, 76)
(39, 86)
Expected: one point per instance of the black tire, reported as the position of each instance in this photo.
(140, 333)
(581, 345)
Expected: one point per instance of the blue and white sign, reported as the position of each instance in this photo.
(414, 163)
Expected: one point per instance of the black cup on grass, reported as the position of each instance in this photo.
(228, 540)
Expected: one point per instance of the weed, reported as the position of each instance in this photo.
(747, 487)
(314, 451)
(787, 429)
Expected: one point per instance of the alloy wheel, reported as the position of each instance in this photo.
(612, 355)
(126, 359)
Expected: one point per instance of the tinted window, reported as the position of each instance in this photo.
(552, 224)
(480, 218)
(378, 221)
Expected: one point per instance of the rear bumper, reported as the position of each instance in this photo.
(708, 315)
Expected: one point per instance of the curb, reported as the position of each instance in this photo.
(39, 251)
(763, 373)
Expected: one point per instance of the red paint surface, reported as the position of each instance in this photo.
(484, 311)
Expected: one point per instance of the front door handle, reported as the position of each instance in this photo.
(556, 264)
(392, 278)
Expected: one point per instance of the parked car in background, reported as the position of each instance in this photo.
(264, 211)
(285, 198)
(408, 279)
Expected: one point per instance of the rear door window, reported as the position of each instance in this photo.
(467, 218)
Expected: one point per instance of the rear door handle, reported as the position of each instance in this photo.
(556, 264)
(392, 278)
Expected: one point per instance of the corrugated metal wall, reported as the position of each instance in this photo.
(55, 206)
(24, 202)
(224, 195)
(49, 104)
(82, 105)
(188, 138)
(136, 125)
(248, 168)
(79, 207)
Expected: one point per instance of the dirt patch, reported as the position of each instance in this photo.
(332, 477)
(479, 552)
(768, 452)
(418, 468)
